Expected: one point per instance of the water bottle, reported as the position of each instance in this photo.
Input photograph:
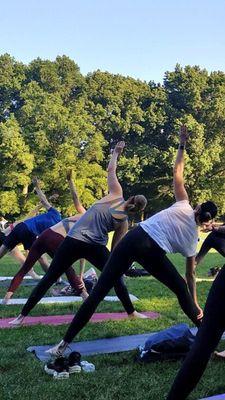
(87, 367)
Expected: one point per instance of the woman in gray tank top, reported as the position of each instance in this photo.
(88, 238)
(138, 245)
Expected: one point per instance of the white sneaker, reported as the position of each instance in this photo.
(57, 350)
(35, 276)
(91, 272)
(18, 321)
(61, 375)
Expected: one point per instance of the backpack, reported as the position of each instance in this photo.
(170, 344)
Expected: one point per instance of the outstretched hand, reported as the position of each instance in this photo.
(54, 196)
(119, 147)
(35, 181)
(183, 133)
(69, 174)
(200, 314)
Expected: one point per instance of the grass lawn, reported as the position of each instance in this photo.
(117, 376)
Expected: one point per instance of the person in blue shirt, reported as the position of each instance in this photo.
(25, 232)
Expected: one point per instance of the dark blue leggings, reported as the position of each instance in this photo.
(208, 337)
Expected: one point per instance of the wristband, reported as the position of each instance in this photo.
(181, 147)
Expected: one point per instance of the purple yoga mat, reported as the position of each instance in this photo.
(66, 319)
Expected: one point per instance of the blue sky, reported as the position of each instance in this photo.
(139, 38)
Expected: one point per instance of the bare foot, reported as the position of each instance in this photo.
(35, 276)
(220, 354)
(18, 321)
(7, 298)
(136, 314)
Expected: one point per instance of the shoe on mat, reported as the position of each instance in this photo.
(58, 368)
(73, 360)
(58, 350)
(213, 271)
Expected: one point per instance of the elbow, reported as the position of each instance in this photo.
(81, 210)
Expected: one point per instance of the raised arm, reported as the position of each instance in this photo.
(178, 170)
(41, 195)
(77, 204)
(114, 186)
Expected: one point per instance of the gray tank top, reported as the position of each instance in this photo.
(93, 227)
(67, 224)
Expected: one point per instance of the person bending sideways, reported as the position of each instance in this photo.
(48, 242)
(26, 232)
(18, 256)
(173, 230)
(15, 253)
(88, 238)
(208, 337)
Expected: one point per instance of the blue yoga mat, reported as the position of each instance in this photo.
(99, 346)
(218, 397)
(102, 346)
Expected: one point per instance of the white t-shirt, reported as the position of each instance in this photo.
(174, 229)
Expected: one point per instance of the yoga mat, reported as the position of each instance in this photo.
(7, 278)
(205, 279)
(218, 397)
(66, 319)
(104, 346)
(99, 346)
(27, 282)
(63, 299)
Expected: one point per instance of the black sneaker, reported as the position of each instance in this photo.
(58, 368)
(214, 271)
(74, 362)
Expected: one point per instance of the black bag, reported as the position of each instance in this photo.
(170, 344)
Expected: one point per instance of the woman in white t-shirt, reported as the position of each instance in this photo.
(174, 230)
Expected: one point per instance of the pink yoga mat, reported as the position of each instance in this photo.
(66, 319)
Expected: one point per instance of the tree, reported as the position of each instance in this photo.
(16, 165)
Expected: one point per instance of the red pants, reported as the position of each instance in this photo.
(48, 242)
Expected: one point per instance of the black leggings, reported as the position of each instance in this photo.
(135, 246)
(68, 252)
(208, 337)
(214, 240)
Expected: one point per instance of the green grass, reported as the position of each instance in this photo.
(117, 376)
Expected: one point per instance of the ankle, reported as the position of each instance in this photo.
(84, 294)
(8, 295)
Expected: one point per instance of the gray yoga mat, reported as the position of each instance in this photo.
(101, 346)
(27, 282)
(61, 300)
